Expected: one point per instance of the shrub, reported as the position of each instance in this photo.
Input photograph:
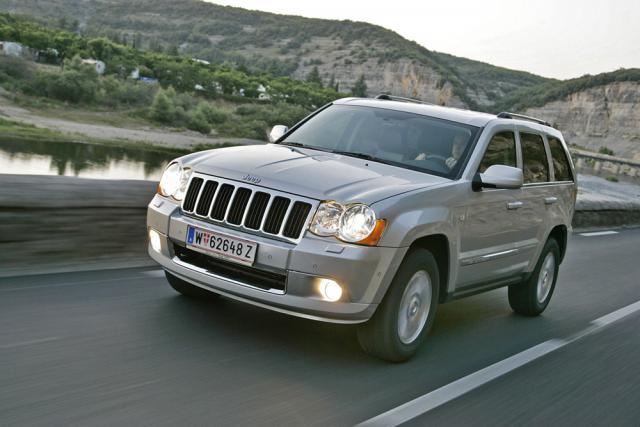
(116, 92)
(213, 115)
(607, 151)
(163, 108)
(197, 121)
(612, 179)
(16, 68)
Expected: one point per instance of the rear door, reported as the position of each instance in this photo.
(537, 191)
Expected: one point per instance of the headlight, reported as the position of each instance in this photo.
(174, 181)
(355, 223)
(327, 219)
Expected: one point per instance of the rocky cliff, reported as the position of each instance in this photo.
(602, 116)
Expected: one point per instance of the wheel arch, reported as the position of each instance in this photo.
(439, 246)
(560, 234)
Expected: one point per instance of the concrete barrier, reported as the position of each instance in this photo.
(51, 222)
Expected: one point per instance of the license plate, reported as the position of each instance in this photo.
(221, 245)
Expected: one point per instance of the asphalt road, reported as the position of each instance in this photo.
(121, 347)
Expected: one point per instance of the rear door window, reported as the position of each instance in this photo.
(534, 158)
(561, 167)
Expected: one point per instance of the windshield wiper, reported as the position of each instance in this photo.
(293, 144)
(364, 156)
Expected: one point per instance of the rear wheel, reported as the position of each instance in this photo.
(187, 289)
(406, 314)
(531, 297)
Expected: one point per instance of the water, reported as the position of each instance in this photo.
(82, 160)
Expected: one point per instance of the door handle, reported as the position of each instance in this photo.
(514, 205)
(550, 200)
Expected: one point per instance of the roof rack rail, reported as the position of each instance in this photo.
(387, 97)
(508, 115)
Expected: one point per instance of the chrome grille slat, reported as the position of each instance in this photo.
(285, 218)
(295, 221)
(219, 208)
(238, 206)
(213, 200)
(193, 192)
(206, 196)
(230, 203)
(266, 210)
(248, 207)
(276, 214)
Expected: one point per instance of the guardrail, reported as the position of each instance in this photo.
(604, 165)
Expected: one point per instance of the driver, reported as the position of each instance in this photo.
(459, 144)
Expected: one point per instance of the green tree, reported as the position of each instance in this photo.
(163, 108)
(198, 121)
(314, 77)
(360, 87)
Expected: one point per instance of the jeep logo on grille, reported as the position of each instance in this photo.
(252, 178)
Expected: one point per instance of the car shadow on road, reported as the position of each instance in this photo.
(228, 324)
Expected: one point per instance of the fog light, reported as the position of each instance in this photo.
(154, 239)
(330, 290)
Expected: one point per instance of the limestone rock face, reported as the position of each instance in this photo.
(401, 77)
(603, 116)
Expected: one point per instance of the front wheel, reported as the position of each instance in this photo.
(531, 297)
(406, 313)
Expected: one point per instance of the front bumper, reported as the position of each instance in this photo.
(361, 271)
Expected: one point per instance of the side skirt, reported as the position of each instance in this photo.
(479, 288)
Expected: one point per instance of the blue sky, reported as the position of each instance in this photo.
(561, 39)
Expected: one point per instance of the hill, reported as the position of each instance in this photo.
(287, 46)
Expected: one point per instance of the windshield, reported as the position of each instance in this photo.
(399, 138)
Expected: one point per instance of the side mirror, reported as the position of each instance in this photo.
(498, 176)
(276, 132)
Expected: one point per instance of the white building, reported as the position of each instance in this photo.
(262, 93)
(201, 61)
(97, 64)
(11, 49)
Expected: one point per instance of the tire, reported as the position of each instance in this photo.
(187, 289)
(386, 335)
(531, 297)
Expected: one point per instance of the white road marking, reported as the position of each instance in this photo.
(617, 315)
(23, 343)
(447, 393)
(154, 273)
(598, 233)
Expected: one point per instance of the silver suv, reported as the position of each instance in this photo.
(372, 211)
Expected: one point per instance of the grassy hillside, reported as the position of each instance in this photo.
(266, 42)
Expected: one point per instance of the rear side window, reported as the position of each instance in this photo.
(500, 151)
(534, 158)
(561, 167)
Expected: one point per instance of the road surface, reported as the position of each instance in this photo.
(120, 347)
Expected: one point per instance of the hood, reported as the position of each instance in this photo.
(310, 173)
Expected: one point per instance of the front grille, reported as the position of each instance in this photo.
(222, 201)
(262, 279)
(192, 194)
(255, 210)
(298, 215)
(276, 214)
